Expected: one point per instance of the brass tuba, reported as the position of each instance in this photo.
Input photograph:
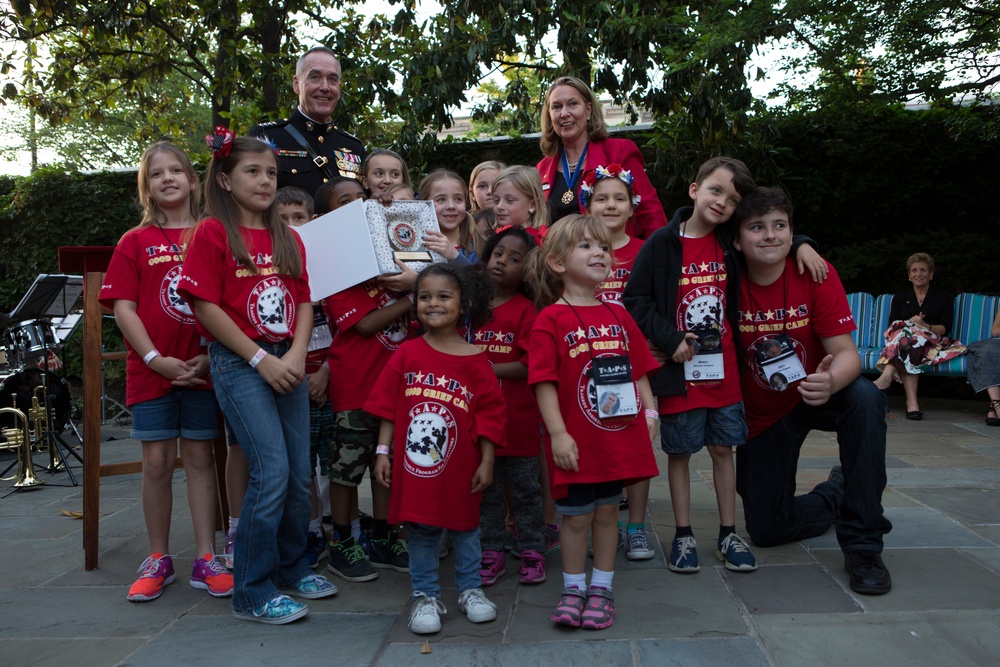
(17, 438)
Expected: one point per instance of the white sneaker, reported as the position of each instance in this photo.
(425, 618)
(476, 607)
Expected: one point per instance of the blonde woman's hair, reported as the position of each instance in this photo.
(478, 169)
(921, 257)
(559, 242)
(220, 204)
(150, 209)
(464, 227)
(528, 182)
(597, 129)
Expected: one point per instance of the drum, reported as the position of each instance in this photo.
(26, 341)
(17, 390)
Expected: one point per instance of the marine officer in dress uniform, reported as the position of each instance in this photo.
(310, 149)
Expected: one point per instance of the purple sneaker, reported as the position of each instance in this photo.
(492, 567)
(532, 567)
(208, 574)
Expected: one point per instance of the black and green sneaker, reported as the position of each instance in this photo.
(347, 560)
(390, 553)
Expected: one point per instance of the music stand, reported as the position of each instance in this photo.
(51, 296)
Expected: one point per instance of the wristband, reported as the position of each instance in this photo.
(255, 359)
(382, 449)
(409, 295)
(652, 414)
(152, 354)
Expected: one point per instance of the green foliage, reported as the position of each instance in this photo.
(53, 208)
(919, 189)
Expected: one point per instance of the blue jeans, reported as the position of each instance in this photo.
(766, 465)
(273, 431)
(424, 563)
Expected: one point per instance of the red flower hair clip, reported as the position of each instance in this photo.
(220, 142)
(613, 170)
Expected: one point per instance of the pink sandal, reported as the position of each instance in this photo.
(570, 607)
(599, 612)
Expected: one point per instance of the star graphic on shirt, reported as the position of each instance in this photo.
(268, 259)
(605, 330)
(684, 269)
(500, 335)
(748, 316)
(418, 377)
(479, 335)
(442, 381)
(580, 333)
(769, 314)
(162, 248)
(466, 393)
(792, 310)
(703, 266)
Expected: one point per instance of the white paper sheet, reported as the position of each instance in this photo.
(339, 251)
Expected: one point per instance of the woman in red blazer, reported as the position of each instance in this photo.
(575, 142)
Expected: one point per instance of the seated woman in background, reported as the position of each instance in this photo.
(984, 370)
(919, 321)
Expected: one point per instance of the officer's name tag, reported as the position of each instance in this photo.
(615, 388)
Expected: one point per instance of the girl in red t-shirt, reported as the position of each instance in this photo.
(441, 393)
(504, 339)
(166, 369)
(609, 194)
(598, 434)
(245, 275)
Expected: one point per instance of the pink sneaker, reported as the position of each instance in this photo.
(570, 607)
(155, 572)
(492, 567)
(208, 574)
(599, 612)
(532, 567)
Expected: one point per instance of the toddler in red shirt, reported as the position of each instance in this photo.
(588, 363)
(442, 414)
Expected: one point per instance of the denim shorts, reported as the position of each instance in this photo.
(585, 498)
(191, 414)
(687, 432)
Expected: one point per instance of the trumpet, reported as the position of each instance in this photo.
(17, 438)
(39, 415)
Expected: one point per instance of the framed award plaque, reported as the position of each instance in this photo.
(397, 233)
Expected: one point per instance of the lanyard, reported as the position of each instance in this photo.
(584, 327)
(718, 264)
(573, 176)
(784, 308)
